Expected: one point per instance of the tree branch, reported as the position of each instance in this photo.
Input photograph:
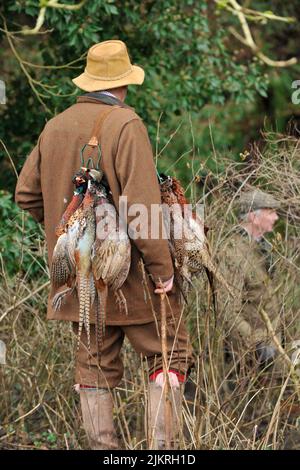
(39, 23)
(26, 31)
(64, 6)
(247, 39)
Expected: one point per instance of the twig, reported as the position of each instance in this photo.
(10, 159)
(31, 81)
(65, 6)
(167, 388)
(29, 296)
(42, 14)
(55, 67)
(27, 414)
(157, 138)
(39, 23)
(247, 39)
(280, 349)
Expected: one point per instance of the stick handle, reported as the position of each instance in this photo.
(167, 397)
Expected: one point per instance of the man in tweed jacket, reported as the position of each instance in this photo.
(44, 187)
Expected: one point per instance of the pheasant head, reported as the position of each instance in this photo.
(95, 185)
(80, 182)
(95, 176)
(167, 195)
(171, 191)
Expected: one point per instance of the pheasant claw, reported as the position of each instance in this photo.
(59, 297)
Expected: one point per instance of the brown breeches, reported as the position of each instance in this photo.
(145, 340)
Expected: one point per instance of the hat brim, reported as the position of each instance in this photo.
(136, 77)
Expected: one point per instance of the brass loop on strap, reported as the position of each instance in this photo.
(93, 142)
(90, 160)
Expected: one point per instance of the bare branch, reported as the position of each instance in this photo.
(22, 301)
(26, 31)
(32, 82)
(64, 6)
(39, 23)
(283, 354)
(247, 39)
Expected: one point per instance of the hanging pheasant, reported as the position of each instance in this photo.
(71, 262)
(188, 244)
(87, 257)
(111, 256)
(63, 268)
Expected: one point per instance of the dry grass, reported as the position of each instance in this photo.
(231, 405)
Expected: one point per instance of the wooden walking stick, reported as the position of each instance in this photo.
(166, 388)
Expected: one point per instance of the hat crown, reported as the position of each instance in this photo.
(252, 200)
(108, 60)
(108, 66)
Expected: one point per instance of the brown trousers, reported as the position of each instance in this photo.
(145, 340)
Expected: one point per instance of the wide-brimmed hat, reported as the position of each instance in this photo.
(108, 66)
(255, 199)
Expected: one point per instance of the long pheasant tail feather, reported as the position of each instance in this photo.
(84, 308)
(102, 291)
(207, 263)
(87, 305)
(100, 331)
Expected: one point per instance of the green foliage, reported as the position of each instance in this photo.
(20, 240)
(197, 74)
(44, 440)
(183, 47)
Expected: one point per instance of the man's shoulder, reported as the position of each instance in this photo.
(122, 116)
(77, 112)
(61, 118)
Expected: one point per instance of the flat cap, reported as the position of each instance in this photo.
(255, 199)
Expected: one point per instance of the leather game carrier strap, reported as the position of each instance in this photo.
(96, 133)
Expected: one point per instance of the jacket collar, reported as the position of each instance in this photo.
(96, 96)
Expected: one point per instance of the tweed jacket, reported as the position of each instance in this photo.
(45, 187)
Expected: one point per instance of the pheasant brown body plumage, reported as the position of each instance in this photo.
(111, 257)
(188, 244)
(63, 269)
(88, 258)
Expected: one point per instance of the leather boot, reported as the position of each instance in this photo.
(97, 414)
(156, 417)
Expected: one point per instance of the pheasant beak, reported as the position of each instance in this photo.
(86, 171)
(79, 180)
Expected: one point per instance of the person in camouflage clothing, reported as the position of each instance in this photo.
(246, 261)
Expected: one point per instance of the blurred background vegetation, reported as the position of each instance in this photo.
(194, 67)
(205, 91)
(208, 100)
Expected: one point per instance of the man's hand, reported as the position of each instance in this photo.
(164, 286)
